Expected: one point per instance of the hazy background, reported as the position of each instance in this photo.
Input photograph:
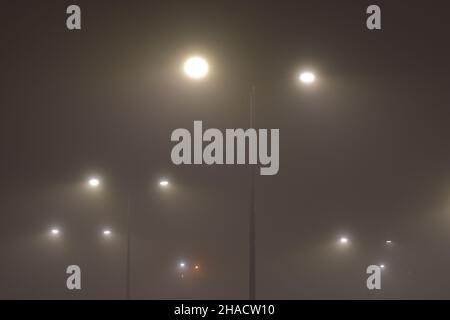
(363, 153)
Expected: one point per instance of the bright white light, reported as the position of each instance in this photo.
(343, 240)
(164, 183)
(94, 182)
(107, 232)
(382, 266)
(307, 77)
(196, 67)
(54, 232)
(182, 264)
(388, 241)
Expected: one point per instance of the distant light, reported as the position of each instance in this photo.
(388, 241)
(94, 182)
(107, 232)
(182, 264)
(196, 267)
(164, 183)
(307, 77)
(196, 67)
(54, 232)
(343, 240)
(382, 266)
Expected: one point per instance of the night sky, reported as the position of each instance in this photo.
(364, 152)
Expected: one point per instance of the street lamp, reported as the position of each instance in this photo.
(343, 240)
(164, 183)
(196, 67)
(54, 232)
(307, 77)
(94, 182)
(182, 267)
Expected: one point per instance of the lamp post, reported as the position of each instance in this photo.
(252, 211)
(94, 183)
(164, 184)
(197, 68)
(128, 246)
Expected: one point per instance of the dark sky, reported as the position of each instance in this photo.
(365, 152)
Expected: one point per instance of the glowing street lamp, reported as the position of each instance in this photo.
(382, 266)
(94, 182)
(388, 242)
(182, 267)
(164, 183)
(54, 232)
(343, 240)
(196, 68)
(307, 77)
(107, 232)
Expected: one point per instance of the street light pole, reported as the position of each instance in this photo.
(197, 68)
(128, 247)
(252, 212)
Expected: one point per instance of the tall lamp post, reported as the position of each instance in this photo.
(128, 246)
(252, 211)
(94, 182)
(197, 68)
